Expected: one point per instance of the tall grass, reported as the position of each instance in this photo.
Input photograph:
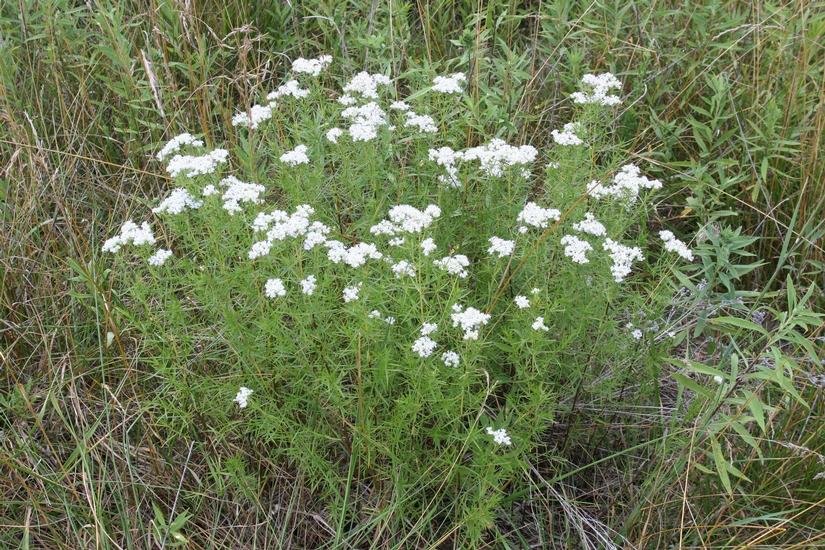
(729, 114)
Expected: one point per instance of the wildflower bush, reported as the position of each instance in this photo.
(398, 311)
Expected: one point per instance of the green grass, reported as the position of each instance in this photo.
(95, 443)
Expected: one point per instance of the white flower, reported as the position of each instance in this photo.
(238, 192)
(130, 233)
(365, 121)
(274, 288)
(446, 157)
(718, 379)
(209, 190)
(535, 291)
(499, 436)
(454, 265)
(522, 302)
(470, 320)
(290, 89)
(637, 334)
(404, 218)
(428, 246)
(311, 66)
(535, 215)
(590, 225)
(450, 358)
(174, 145)
(296, 156)
(576, 249)
(570, 134)
(672, 244)
(596, 89)
(242, 398)
(256, 115)
(397, 241)
(539, 324)
(627, 183)
(179, 200)
(354, 256)
(501, 247)
(424, 346)
(622, 257)
(497, 155)
(308, 285)
(366, 84)
(449, 84)
(351, 292)
(197, 166)
(403, 268)
(279, 225)
(424, 123)
(334, 134)
(399, 106)
(428, 328)
(159, 258)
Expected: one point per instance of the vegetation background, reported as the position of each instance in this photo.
(730, 116)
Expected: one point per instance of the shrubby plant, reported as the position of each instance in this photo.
(398, 313)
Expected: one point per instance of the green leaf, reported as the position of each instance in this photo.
(691, 385)
(755, 405)
(736, 322)
(721, 466)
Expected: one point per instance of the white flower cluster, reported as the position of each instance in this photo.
(350, 293)
(296, 156)
(672, 244)
(590, 225)
(428, 328)
(279, 225)
(159, 258)
(242, 398)
(499, 436)
(501, 247)
(130, 233)
(256, 115)
(424, 123)
(449, 84)
(627, 183)
(197, 166)
(497, 155)
(428, 246)
(424, 346)
(237, 192)
(539, 324)
(403, 268)
(404, 218)
(354, 256)
(454, 265)
(597, 89)
(290, 89)
(446, 157)
(470, 320)
(178, 200)
(366, 84)
(622, 257)
(311, 66)
(450, 358)
(274, 288)
(536, 216)
(570, 134)
(174, 145)
(399, 106)
(334, 134)
(365, 121)
(522, 302)
(575, 249)
(308, 285)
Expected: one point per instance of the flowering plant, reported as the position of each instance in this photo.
(366, 286)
